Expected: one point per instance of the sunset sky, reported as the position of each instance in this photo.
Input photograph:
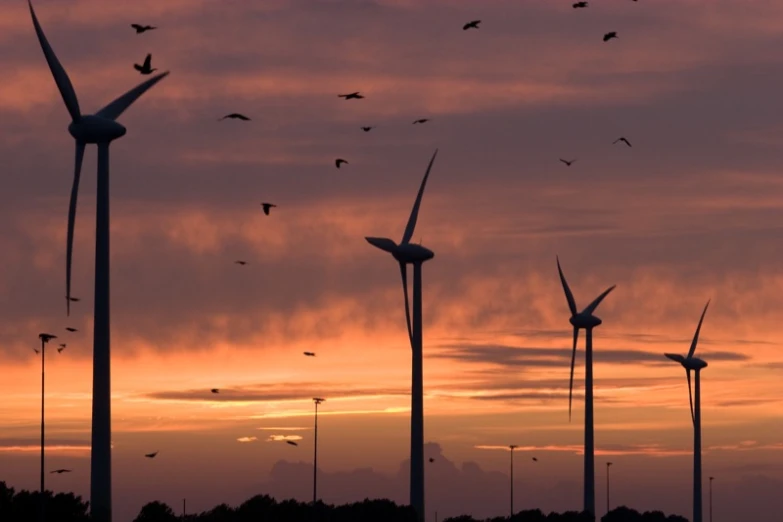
(693, 211)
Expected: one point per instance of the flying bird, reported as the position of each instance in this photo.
(243, 263)
(61, 348)
(151, 455)
(351, 96)
(367, 129)
(36, 350)
(215, 390)
(579, 4)
(146, 67)
(422, 120)
(142, 28)
(309, 354)
(568, 163)
(535, 459)
(58, 471)
(235, 116)
(471, 25)
(340, 161)
(292, 443)
(74, 299)
(608, 36)
(623, 140)
(432, 460)
(267, 206)
(71, 329)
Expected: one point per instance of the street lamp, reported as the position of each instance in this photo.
(608, 464)
(45, 338)
(317, 401)
(711, 479)
(512, 447)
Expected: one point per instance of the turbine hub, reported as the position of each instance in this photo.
(694, 363)
(585, 321)
(94, 129)
(412, 253)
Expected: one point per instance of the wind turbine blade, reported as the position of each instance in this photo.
(113, 110)
(415, 211)
(569, 295)
(64, 84)
(571, 381)
(690, 395)
(675, 357)
(698, 329)
(592, 306)
(383, 243)
(404, 274)
(77, 171)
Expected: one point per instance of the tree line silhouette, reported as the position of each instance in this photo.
(23, 506)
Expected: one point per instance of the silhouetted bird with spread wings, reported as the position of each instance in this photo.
(292, 443)
(471, 25)
(215, 390)
(309, 354)
(340, 161)
(421, 120)
(368, 128)
(142, 28)
(235, 116)
(267, 206)
(623, 140)
(150, 455)
(608, 36)
(351, 96)
(59, 471)
(240, 262)
(71, 329)
(61, 348)
(579, 4)
(568, 163)
(146, 67)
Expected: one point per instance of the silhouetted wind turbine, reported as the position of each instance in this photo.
(711, 479)
(101, 129)
(316, 401)
(587, 321)
(45, 338)
(512, 447)
(410, 253)
(608, 465)
(691, 363)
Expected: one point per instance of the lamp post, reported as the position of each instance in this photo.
(711, 479)
(512, 447)
(317, 401)
(45, 338)
(608, 465)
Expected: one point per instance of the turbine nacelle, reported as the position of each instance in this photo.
(689, 363)
(405, 252)
(584, 320)
(94, 129)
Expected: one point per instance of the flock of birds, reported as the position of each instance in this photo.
(146, 68)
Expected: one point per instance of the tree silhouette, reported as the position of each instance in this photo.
(156, 511)
(24, 506)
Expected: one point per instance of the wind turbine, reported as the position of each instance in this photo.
(587, 321)
(101, 129)
(411, 253)
(691, 363)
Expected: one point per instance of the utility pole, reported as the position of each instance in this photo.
(608, 464)
(45, 338)
(317, 401)
(512, 447)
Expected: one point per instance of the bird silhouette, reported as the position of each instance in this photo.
(150, 455)
(340, 161)
(421, 120)
(71, 329)
(267, 206)
(292, 443)
(471, 25)
(235, 116)
(146, 67)
(74, 299)
(579, 4)
(608, 36)
(215, 390)
(142, 28)
(309, 354)
(367, 129)
(61, 348)
(432, 460)
(568, 163)
(58, 471)
(351, 96)
(535, 459)
(36, 350)
(623, 140)
(243, 263)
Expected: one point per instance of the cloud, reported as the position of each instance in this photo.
(247, 439)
